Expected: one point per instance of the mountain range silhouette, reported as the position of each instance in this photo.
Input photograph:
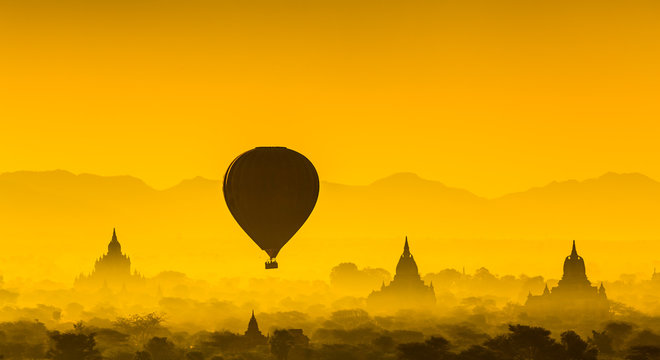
(610, 206)
(55, 209)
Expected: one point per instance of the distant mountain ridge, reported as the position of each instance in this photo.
(58, 209)
(55, 178)
(402, 198)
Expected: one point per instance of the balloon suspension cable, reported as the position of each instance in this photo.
(271, 264)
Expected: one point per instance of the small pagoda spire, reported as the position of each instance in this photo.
(406, 248)
(253, 327)
(574, 251)
(114, 245)
(546, 291)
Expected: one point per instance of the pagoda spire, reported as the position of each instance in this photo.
(573, 251)
(253, 327)
(406, 248)
(114, 245)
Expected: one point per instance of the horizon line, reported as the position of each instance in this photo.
(345, 184)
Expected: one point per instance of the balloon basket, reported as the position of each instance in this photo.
(271, 264)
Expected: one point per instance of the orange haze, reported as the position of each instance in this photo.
(491, 96)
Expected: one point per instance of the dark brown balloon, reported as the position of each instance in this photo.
(271, 192)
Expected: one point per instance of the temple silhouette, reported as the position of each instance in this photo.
(407, 290)
(573, 295)
(253, 335)
(112, 270)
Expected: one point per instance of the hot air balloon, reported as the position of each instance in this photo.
(271, 192)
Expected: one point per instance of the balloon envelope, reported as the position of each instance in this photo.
(271, 191)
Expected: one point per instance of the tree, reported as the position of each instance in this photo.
(619, 332)
(141, 328)
(576, 348)
(23, 339)
(224, 341)
(351, 318)
(162, 349)
(643, 353)
(435, 348)
(477, 352)
(526, 343)
(70, 346)
(644, 338)
(602, 341)
(280, 344)
(80, 327)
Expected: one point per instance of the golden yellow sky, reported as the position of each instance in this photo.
(492, 96)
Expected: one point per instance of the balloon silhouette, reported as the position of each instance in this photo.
(271, 191)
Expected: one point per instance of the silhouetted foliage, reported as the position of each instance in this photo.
(463, 335)
(224, 341)
(576, 348)
(526, 342)
(352, 336)
(339, 351)
(70, 346)
(162, 349)
(644, 338)
(370, 340)
(141, 328)
(435, 348)
(351, 318)
(280, 344)
(23, 339)
(619, 332)
(478, 352)
(643, 353)
(602, 341)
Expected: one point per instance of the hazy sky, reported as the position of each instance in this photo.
(492, 96)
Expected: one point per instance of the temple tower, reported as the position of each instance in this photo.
(112, 270)
(253, 335)
(574, 296)
(407, 290)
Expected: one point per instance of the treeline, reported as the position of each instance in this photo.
(144, 337)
